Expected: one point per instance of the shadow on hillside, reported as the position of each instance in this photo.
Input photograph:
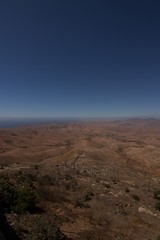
(6, 230)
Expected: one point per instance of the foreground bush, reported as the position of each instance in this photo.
(6, 195)
(24, 200)
(17, 199)
(46, 228)
(157, 195)
(157, 206)
(24, 179)
(40, 227)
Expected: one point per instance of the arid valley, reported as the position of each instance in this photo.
(97, 180)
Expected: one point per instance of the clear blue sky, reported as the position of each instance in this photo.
(79, 58)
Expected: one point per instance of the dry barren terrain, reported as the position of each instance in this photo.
(94, 180)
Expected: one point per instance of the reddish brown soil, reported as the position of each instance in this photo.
(118, 161)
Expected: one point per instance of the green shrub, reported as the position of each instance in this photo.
(88, 196)
(157, 195)
(136, 197)
(157, 206)
(6, 194)
(127, 190)
(24, 200)
(45, 227)
(46, 180)
(25, 179)
(36, 166)
(81, 202)
(18, 199)
(68, 176)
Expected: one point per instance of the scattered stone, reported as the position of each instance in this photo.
(107, 184)
(118, 194)
(145, 210)
(131, 183)
(102, 195)
(110, 193)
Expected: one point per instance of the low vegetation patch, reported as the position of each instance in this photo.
(6, 194)
(157, 194)
(24, 200)
(15, 198)
(157, 206)
(136, 197)
(82, 201)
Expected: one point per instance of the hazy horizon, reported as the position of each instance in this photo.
(74, 117)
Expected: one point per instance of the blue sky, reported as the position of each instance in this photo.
(79, 58)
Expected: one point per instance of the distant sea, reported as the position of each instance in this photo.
(13, 123)
(22, 122)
